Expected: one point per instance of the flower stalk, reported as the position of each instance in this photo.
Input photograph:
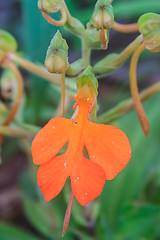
(42, 72)
(16, 133)
(33, 68)
(68, 214)
(125, 28)
(134, 90)
(54, 22)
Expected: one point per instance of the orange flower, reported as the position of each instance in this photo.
(108, 149)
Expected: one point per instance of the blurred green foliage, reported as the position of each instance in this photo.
(129, 207)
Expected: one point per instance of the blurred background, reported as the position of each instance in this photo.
(129, 206)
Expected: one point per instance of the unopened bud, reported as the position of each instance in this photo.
(57, 55)
(103, 16)
(149, 26)
(50, 6)
(7, 42)
(8, 84)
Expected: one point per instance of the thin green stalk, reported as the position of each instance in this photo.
(86, 53)
(75, 68)
(126, 53)
(35, 69)
(113, 61)
(42, 72)
(127, 105)
(16, 132)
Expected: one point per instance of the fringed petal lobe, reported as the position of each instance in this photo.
(50, 140)
(87, 180)
(108, 146)
(51, 177)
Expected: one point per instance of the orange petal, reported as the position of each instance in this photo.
(51, 177)
(87, 180)
(108, 146)
(50, 140)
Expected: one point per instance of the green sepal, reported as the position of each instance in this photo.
(58, 42)
(88, 77)
(57, 55)
(149, 26)
(103, 16)
(50, 6)
(7, 42)
(75, 26)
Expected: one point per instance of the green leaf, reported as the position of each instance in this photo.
(8, 232)
(141, 219)
(39, 216)
(130, 183)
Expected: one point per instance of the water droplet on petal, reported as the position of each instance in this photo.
(65, 164)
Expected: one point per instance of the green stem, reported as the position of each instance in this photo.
(37, 70)
(75, 68)
(127, 105)
(127, 51)
(86, 52)
(73, 24)
(28, 127)
(114, 61)
(16, 132)
(41, 72)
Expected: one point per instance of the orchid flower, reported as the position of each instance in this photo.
(108, 149)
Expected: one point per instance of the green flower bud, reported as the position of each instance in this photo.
(8, 82)
(7, 42)
(149, 26)
(88, 78)
(57, 55)
(50, 6)
(103, 16)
